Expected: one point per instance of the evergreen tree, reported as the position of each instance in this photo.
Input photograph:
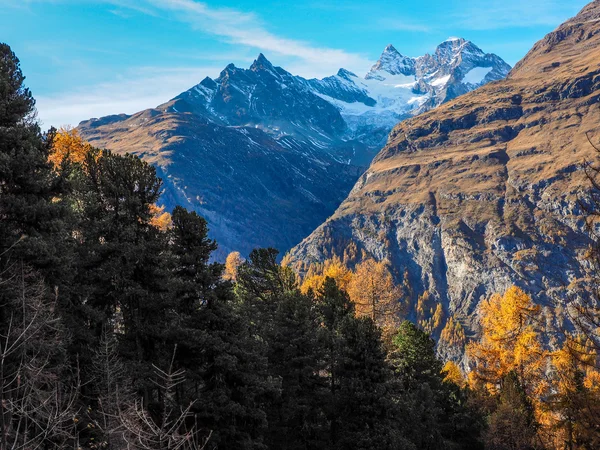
(30, 221)
(288, 324)
(34, 378)
(357, 405)
(122, 278)
(439, 410)
(223, 364)
(295, 359)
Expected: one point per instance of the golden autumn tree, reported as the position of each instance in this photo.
(453, 374)
(573, 408)
(233, 261)
(374, 293)
(453, 333)
(68, 144)
(430, 313)
(510, 342)
(160, 218)
(332, 268)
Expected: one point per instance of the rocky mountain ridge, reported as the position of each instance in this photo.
(265, 155)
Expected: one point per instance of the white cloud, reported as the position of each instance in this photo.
(235, 27)
(139, 89)
(242, 28)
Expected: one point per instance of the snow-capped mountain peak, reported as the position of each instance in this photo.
(343, 108)
(399, 86)
(451, 49)
(391, 62)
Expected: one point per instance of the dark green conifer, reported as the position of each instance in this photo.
(224, 368)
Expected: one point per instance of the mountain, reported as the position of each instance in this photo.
(482, 192)
(398, 87)
(267, 156)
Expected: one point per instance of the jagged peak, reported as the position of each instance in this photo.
(392, 62)
(391, 49)
(209, 83)
(261, 62)
(455, 39)
(457, 44)
(228, 70)
(452, 48)
(390, 52)
(346, 73)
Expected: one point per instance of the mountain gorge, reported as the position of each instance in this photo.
(484, 191)
(267, 156)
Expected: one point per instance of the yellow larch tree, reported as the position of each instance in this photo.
(453, 333)
(233, 261)
(160, 218)
(510, 342)
(374, 293)
(430, 313)
(453, 374)
(68, 144)
(331, 268)
(573, 408)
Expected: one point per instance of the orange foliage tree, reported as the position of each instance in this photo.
(510, 342)
(160, 218)
(453, 333)
(453, 374)
(430, 313)
(573, 408)
(332, 268)
(374, 293)
(232, 263)
(68, 144)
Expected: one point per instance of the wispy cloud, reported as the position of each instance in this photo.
(138, 89)
(247, 29)
(236, 27)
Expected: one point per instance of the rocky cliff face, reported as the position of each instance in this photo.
(481, 193)
(267, 156)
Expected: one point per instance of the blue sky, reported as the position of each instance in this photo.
(89, 58)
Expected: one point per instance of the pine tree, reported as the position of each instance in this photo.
(122, 267)
(36, 397)
(31, 220)
(223, 362)
(287, 322)
(295, 357)
(357, 405)
(438, 409)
